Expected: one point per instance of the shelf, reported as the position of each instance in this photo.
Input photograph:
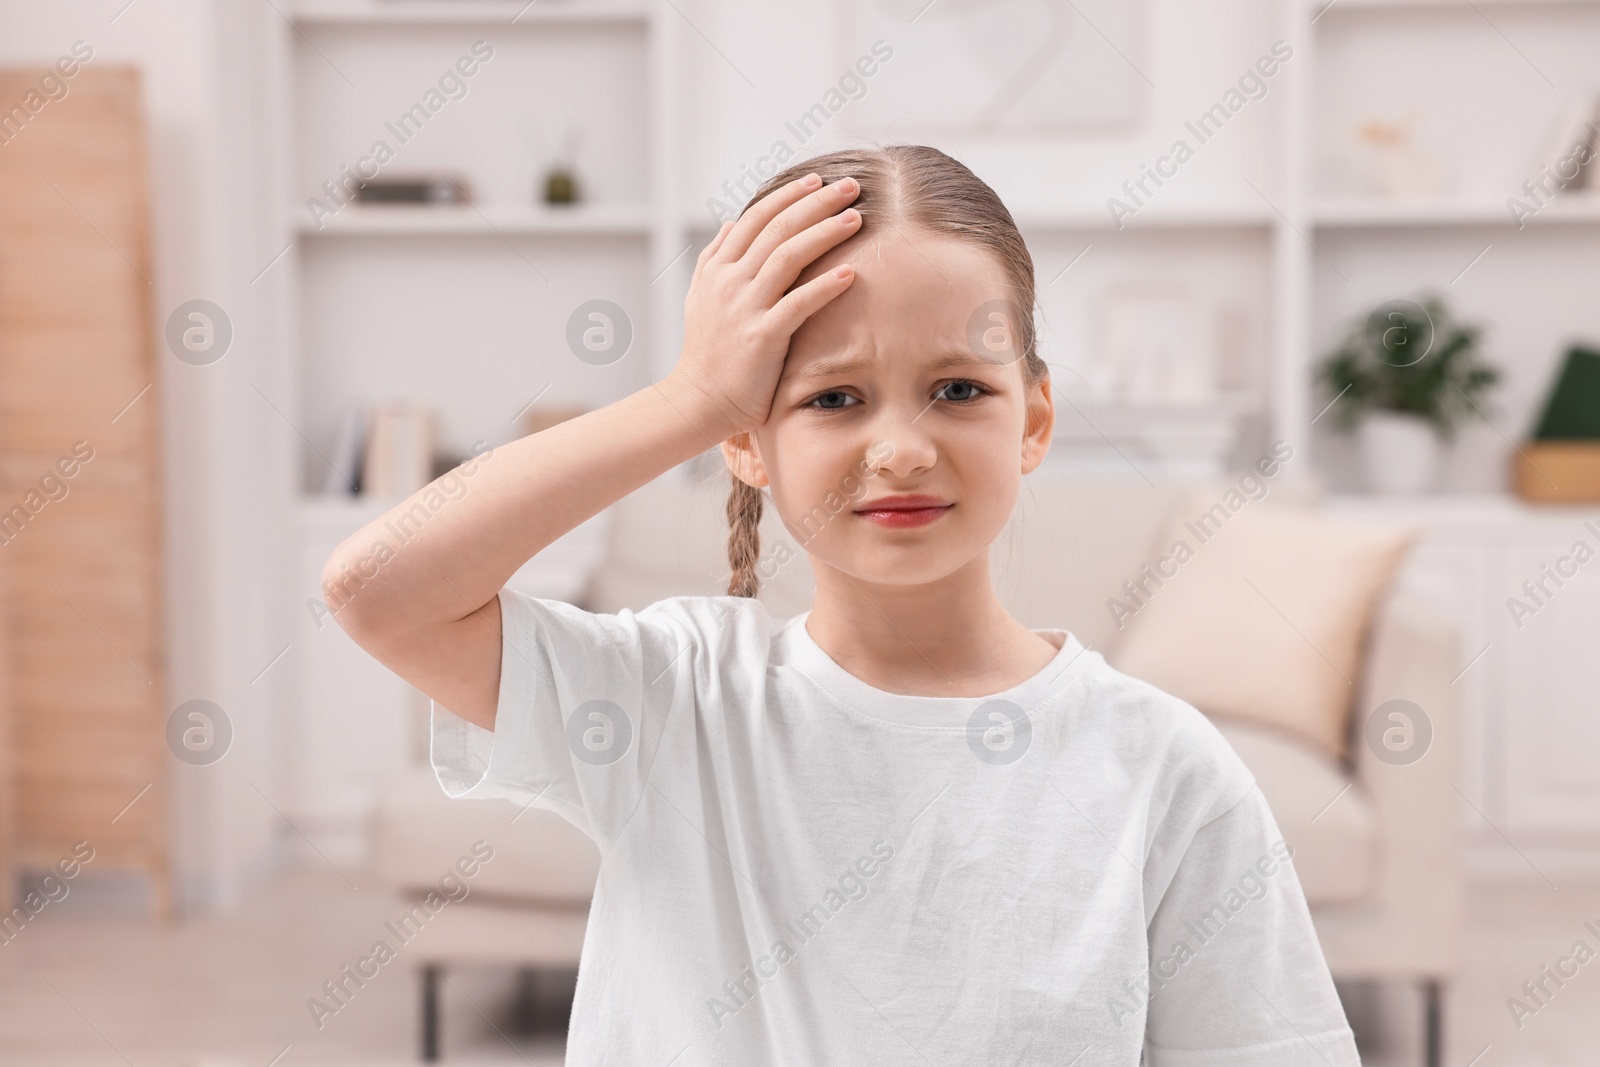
(466, 220)
(1380, 214)
(1079, 216)
(1154, 217)
(1458, 509)
(1453, 6)
(466, 12)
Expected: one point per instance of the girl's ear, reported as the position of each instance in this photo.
(1039, 428)
(743, 457)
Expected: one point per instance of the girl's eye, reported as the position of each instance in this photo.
(833, 394)
(837, 400)
(962, 384)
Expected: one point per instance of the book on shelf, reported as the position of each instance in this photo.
(399, 456)
(342, 472)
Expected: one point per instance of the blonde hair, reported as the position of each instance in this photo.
(926, 190)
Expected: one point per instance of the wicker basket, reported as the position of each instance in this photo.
(1558, 472)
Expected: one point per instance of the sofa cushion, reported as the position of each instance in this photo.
(1259, 611)
(1326, 818)
(539, 857)
(1068, 548)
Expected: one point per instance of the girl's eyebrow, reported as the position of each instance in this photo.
(831, 368)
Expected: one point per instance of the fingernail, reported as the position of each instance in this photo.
(813, 179)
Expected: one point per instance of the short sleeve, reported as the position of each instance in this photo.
(1237, 977)
(583, 702)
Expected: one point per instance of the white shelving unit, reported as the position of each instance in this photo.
(1483, 77)
(1487, 90)
(1358, 214)
(464, 306)
(472, 221)
(605, 68)
(489, 13)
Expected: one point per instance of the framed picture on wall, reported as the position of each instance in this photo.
(995, 67)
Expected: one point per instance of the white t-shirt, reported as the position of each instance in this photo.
(800, 868)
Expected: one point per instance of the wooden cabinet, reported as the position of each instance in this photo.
(1548, 682)
(80, 484)
(1523, 582)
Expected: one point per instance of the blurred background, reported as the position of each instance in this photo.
(1317, 288)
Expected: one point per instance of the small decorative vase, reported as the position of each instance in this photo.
(1400, 451)
(560, 187)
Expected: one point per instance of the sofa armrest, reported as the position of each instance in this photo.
(1410, 923)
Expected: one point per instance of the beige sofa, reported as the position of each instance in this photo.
(1380, 865)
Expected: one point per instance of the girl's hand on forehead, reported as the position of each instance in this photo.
(739, 314)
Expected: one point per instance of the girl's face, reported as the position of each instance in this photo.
(905, 384)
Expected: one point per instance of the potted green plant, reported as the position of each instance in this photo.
(1406, 375)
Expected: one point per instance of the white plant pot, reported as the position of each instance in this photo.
(1401, 453)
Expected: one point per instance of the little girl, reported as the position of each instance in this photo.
(902, 827)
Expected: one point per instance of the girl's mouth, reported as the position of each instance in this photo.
(901, 514)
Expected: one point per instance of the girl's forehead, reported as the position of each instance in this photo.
(980, 347)
(912, 290)
(910, 257)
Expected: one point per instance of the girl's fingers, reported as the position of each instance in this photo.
(801, 304)
(796, 219)
(789, 259)
(756, 217)
(716, 242)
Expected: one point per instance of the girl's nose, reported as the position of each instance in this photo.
(904, 431)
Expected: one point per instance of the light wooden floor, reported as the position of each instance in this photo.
(81, 989)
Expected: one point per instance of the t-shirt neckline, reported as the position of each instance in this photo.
(1030, 695)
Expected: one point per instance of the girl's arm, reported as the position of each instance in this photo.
(428, 607)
